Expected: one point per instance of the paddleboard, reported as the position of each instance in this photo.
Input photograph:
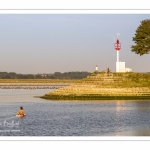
(20, 116)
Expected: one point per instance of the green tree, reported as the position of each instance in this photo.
(142, 38)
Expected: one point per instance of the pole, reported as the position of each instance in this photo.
(117, 63)
(117, 56)
(118, 70)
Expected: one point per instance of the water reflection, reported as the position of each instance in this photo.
(135, 118)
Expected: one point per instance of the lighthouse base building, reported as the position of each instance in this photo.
(120, 67)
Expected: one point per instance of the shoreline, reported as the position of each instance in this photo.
(33, 86)
(35, 83)
(38, 81)
(82, 98)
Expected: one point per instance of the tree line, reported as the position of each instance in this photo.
(56, 75)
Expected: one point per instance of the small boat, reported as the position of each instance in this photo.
(20, 116)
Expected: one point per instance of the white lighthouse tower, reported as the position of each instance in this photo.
(120, 66)
(96, 68)
(117, 46)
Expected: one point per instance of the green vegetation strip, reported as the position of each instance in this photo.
(52, 97)
(38, 81)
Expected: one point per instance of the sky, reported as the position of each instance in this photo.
(48, 43)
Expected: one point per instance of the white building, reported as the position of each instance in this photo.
(96, 68)
(120, 67)
(128, 70)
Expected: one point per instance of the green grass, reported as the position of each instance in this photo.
(52, 97)
(38, 81)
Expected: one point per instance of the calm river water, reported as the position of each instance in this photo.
(71, 118)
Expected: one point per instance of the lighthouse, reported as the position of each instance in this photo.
(120, 66)
(96, 68)
(117, 46)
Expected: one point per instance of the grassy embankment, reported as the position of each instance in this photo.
(37, 81)
(102, 86)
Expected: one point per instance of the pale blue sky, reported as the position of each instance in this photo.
(68, 42)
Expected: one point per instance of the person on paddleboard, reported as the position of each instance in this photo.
(21, 112)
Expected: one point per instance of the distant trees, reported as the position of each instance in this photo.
(5, 75)
(70, 75)
(142, 38)
(56, 75)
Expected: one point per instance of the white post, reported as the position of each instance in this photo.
(117, 63)
(117, 56)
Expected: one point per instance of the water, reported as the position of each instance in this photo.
(71, 118)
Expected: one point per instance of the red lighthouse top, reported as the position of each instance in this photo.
(117, 45)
